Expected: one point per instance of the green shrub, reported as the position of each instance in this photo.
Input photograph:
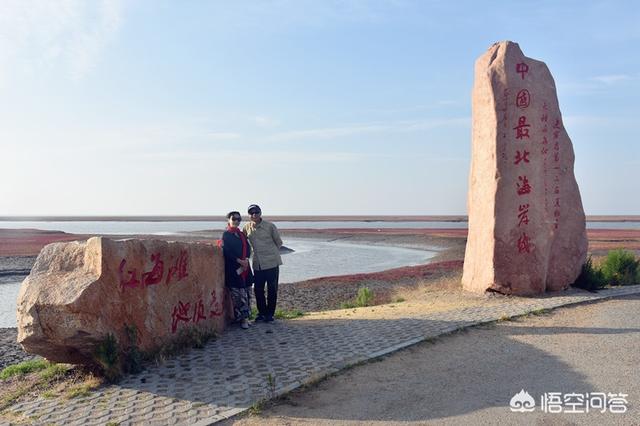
(621, 268)
(590, 278)
(364, 297)
(132, 357)
(23, 368)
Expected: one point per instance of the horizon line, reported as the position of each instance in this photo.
(280, 218)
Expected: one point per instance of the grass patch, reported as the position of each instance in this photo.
(38, 377)
(54, 372)
(504, 317)
(538, 312)
(24, 368)
(288, 314)
(363, 298)
(83, 388)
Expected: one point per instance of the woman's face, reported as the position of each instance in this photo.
(234, 221)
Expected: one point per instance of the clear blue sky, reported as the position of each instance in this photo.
(304, 107)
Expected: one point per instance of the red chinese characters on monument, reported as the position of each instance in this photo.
(179, 269)
(129, 277)
(155, 276)
(195, 312)
(215, 306)
(180, 314)
(523, 99)
(524, 244)
(522, 69)
(198, 312)
(522, 159)
(523, 214)
(523, 185)
(132, 281)
(522, 129)
(556, 159)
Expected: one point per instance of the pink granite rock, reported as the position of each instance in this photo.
(78, 292)
(526, 222)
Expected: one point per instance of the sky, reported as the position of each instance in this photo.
(152, 107)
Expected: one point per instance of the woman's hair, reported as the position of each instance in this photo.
(232, 213)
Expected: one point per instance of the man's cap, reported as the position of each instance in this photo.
(253, 207)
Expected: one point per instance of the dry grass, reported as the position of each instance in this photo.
(439, 294)
(57, 380)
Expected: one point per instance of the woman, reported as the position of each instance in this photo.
(237, 272)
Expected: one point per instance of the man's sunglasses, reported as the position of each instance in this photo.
(252, 212)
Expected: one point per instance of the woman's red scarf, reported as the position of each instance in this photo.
(245, 248)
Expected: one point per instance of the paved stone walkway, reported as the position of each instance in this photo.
(216, 382)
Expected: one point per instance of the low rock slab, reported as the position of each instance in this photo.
(80, 292)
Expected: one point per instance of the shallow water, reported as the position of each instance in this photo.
(9, 288)
(311, 259)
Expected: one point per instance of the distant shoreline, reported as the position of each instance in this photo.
(284, 218)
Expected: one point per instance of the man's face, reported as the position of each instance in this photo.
(255, 216)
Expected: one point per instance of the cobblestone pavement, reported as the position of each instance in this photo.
(216, 382)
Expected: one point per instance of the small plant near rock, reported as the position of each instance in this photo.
(271, 385)
(132, 357)
(364, 297)
(621, 268)
(590, 278)
(399, 300)
(107, 356)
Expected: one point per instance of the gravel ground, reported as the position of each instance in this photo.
(470, 377)
(10, 351)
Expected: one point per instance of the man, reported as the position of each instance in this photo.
(265, 243)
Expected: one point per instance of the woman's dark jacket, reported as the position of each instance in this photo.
(232, 250)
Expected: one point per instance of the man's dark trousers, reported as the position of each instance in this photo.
(270, 276)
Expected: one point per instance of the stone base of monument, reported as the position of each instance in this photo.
(81, 294)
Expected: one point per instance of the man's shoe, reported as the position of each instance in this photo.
(268, 318)
(260, 317)
(244, 324)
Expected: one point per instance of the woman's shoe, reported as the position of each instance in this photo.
(244, 324)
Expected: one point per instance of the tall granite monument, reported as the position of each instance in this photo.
(526, 223)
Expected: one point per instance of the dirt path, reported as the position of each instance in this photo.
(470, 377)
